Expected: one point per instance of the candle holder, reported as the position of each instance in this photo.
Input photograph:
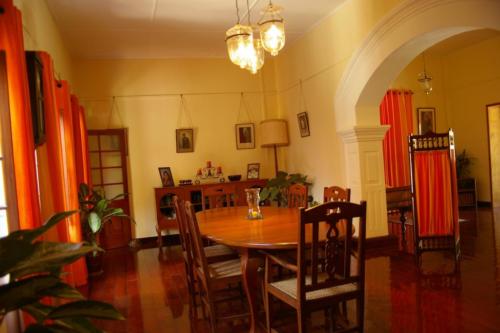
(253, 199)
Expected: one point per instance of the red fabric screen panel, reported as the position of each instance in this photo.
(433, 188)
(11, 41)
(396, 111)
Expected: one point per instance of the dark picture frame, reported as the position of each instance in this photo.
(184, 140)
(303, 121)
(35, 80)
(245, 136)
(426, 118)
(253, 171)
(166, 176)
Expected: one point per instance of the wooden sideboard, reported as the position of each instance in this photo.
(165, 211)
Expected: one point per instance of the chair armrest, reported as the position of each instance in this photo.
(281, 262)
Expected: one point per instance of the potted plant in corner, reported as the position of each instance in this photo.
(95, 212)
(465, 183)
(275, 189)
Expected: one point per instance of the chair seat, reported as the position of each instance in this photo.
(218, 250)
(225, 269)
(289, 287)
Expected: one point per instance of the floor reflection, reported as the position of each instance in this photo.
(149, 287)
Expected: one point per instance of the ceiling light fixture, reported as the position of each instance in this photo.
(425, 79)
(272, 29)
(248, 52)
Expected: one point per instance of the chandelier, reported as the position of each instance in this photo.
(425, 79)
(246, 51)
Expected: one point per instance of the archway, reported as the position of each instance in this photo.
(404, 33)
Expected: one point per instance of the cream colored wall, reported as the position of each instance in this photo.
(152, 120)
(494, 147)
(465, 81)
(41, 34)
(318, 59)
(472, 77)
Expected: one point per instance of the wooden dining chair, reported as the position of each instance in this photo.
(218, 196)
(213, 278)
(335, 193)
(213, 254)
(320, 282)
(297, 196)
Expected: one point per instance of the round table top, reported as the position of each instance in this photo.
(279, 229)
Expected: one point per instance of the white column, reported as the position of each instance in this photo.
(364, 159)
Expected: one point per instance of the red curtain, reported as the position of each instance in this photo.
(11, 41)
(72, 231)
(81, 142)
(433, 187)
(396, 111)
(57, 162)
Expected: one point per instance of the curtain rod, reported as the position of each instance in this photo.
(180, 94)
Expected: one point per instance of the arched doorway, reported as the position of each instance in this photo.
(403, 34)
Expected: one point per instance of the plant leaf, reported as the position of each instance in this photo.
(50, 256)
(87, 308)
(38, 310)
(63, 290)
(78, 324)
(95, 222)
(17, 294)
(13, 251)
(38, 328)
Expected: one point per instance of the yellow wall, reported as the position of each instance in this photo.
(494, 134)
(318, 59)
(465, 81)
(41, 34)
(152, 120)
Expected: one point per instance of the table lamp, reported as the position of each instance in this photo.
(274, 133)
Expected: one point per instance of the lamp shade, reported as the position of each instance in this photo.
(274, 132)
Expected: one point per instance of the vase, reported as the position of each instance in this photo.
(253, 199)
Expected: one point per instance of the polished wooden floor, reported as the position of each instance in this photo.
(149, 288)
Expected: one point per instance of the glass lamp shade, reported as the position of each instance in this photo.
(257, 60)
(425, 82)
(272, 30)
(239, 41)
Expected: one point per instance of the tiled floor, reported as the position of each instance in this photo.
(149, 288)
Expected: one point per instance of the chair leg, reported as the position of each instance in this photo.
(360, 313)
(268, 308)
(301, 321)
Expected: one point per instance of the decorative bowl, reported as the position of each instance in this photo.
(234, 178)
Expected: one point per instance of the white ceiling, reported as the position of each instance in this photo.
(168, 28)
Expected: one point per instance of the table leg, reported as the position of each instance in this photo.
(249, 266)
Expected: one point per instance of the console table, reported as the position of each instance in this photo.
(165, 210)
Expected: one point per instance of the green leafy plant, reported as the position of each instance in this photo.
(34, 271)
(96, 211)
(275, 189)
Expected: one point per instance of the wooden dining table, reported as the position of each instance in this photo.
(277, 230)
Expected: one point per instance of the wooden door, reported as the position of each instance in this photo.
(108, 164)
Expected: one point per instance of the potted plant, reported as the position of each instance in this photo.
(275, 189)
(34, 269)
(464, 164)
(95, 212)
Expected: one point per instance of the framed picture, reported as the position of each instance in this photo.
(166, 176)
(184, 140)
(303, 124)
(253, 171)
(426, 120)
(245, 136)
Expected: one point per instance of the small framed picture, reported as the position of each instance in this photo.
(253, 171)
(166, 176)
(184, 140)
(245, 136)
(426, 120)
(303, 124)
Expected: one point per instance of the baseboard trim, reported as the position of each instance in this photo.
(389, 242)
(485, 204)
(152, 242)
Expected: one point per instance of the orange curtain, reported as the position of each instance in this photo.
(433, 188)
(56, 163)
(396, 111)
(72, 230)
(81, 142)
(11, 41)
